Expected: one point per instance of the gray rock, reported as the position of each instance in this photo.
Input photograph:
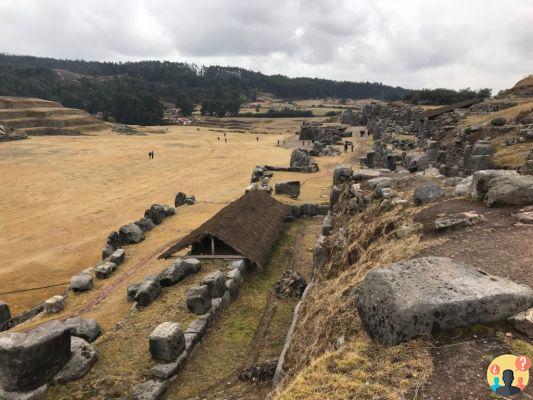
(198, 299)
(365, 174)
(190, 340)
(462, 187)
(226, 299)
(291, 188)
(192, 265)
(5, 313)
(132, 291)
(82, 359)
(167, 371)
(427, 194)
(291, 285)
(215, 283)
(156, 213)
(30, 359)
(234, 274)
(523, 322)
(498, 121)
(209, 317)
(180, 199)
(342, 173)
(309, 209)
(430, 294)
(322, 209)
(296, 211)
(481, 180)
(233, 288)
(240, 265)
(216, 306)
(173, 274)
(114, 240)
(167, 341)
(148, 290)
(107, 251)
(458, 220)
(320, 254)
(37, 394)
(54, 304)
(379, 183)
(130, 234)
(87, 329)
(510, 190)
(117, 257)
(334, 196)
(104, 271)
(145, 224)
(81, 283)
(169, 211)
(197, 327)
(190, 200)
(149, 390)
(327, 226)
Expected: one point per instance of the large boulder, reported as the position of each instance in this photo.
(167, 341)
(173, 274)
(82, 359)
(427, 194)
(87, 329)
(430, 294)
(198, 299)
(192, 265)
(148, 290)
(117, 257)
(481, 180)
(215, 283)
(342, 173)
(379, 183)
(156, 213)
(300, 158)
(130, 234)
(366, 174)
(29, 360)
(291, 188)
(510, 190)
(523, 322)
(54, 304)
(80, 283)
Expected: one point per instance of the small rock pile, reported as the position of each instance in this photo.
(291, 285)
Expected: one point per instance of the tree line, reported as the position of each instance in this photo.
(133, 92)
(444, 96)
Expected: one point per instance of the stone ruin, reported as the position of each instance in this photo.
(353, 117)
(290, 188)
(327, 134)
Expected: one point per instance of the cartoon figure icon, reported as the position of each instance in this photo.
(508, 375)
(508, 389)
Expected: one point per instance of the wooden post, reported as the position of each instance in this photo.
(212, 245)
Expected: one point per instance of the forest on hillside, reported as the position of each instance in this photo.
(132, 92)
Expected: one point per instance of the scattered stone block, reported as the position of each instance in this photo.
(107, 251)
(379, 183)
(30, 359)
(156, 213)
(291, 188)
(145, 224)
(104, 271)
(82, 359)
(427, 194)
(192, 265)
(197, 327)
(132, 291)
(365, 174)
(149, 390)
(173, 274)
(117, 257)
(5, 313)
(167, 341)
(458, 220)
(87, 329)
(81, 282)
(342, 173)
(430, 294)
(233, 288)
(54, 304)
(167, 371)
(130, 234)
(198, 299)
(148, 290)
(215, 283)
(523, 322)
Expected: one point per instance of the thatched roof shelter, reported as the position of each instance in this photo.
(248, 227)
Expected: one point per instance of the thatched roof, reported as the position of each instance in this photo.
(250, 225)
(435, 112)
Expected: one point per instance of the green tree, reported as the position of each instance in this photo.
(185, 104)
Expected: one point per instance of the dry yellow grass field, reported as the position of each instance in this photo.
(61, 196)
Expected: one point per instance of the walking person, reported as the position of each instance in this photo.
(352, 147)
(257, 138)
(345, 147)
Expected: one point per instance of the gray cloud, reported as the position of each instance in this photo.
(413, 43)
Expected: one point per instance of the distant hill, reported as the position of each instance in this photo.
(131, 92)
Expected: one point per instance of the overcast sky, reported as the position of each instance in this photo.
(411, 43)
